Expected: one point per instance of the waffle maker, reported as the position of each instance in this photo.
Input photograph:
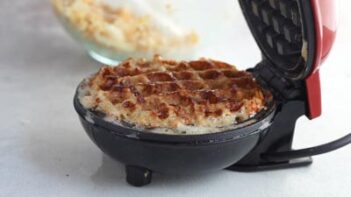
(295, 37)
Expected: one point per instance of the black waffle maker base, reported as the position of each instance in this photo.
(285, 33)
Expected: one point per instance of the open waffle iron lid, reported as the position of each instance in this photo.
(284, 31)
(295, 37)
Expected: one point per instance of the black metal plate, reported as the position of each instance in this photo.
(280, 28)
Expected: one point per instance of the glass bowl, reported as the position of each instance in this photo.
(113, 30)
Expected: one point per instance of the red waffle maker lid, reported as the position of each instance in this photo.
(290, 36)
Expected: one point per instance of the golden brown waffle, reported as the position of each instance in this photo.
(169, 94)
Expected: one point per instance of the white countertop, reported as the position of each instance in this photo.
(45, 152)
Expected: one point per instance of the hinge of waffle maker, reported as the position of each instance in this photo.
(281, 87)
(279, 136)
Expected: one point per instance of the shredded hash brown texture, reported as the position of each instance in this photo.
(176, 95)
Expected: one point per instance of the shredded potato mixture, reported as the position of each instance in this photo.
(189, 97)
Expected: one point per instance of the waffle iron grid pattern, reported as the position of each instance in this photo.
(278, 21)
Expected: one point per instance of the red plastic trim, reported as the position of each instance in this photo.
(325, 28)
(314, 95)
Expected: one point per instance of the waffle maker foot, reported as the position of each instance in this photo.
(138, 176)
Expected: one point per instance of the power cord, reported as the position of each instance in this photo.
(307, 152)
